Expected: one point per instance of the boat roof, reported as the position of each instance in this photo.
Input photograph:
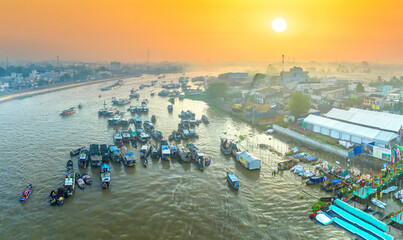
(143, 135)
(130, 157)
(166, 151)
(185, 131)
(68, 182)
(199, 153)
(113, 147)
(105, 166)
(192, 131)
(144, 147)
(232, 177)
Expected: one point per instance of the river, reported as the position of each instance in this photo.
(163, 201)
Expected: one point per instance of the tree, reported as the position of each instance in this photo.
(299, 104)
(216, 90)
(359, 88)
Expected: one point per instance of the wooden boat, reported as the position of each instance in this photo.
(148, 126)
(128, 158)
(225, 146)
(117, 137)
(53, 197)
(145, 150)
(142, 136)
(125, 135)
(170, 108)
(69, 184)
(286, 165)
(121, 101)
(165, 151)
(155, 152)
(153, 118)
(174, 151)
(232, 180)
(205, 119)
(207, 161)
(104, 152)
(105, 176)
(95, 155)
(138, 122)
(80, 182)
(83, 158)
(315, 180)
(145, 162)
(114, 153)
(87, 179)
(60, 196)
(75, 152)
(26, 193)
(157, 135)
(69, 166)
(69, 111)
(184, 153)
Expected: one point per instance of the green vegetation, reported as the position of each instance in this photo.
(353, 102)
(283, 124)
(299, 104)
(318, 205)
(216, 90)
(359, 87)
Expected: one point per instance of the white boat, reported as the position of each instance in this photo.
(323, 218)
(115, 120)
(390, 189)
(184, 153)
(125, 135)
(378, 203)
(269, 131)
(117, 137)
(126, 120)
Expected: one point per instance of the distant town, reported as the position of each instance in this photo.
(42, 75)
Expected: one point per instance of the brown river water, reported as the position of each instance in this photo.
(167, 200)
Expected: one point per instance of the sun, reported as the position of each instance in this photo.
(279, 25)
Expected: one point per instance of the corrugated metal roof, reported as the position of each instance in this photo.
(363, 132)
(383, 121)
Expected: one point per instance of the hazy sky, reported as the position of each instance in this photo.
(201, 30)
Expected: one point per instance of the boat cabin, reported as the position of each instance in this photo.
(248, 160)
(129, 159)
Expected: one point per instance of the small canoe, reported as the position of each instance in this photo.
(87, 179)
(26, 193)
(80, 182)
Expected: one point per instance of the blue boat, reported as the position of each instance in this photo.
(114, 153)
(233, 180)
(26, 193)
(105, 176)
(314, 180)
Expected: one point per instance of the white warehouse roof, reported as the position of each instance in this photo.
(363, 132)
(383, 121)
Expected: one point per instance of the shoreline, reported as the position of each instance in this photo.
(30, 93)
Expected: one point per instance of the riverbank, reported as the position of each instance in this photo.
(30, 93)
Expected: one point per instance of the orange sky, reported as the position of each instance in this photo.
(201, 30)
